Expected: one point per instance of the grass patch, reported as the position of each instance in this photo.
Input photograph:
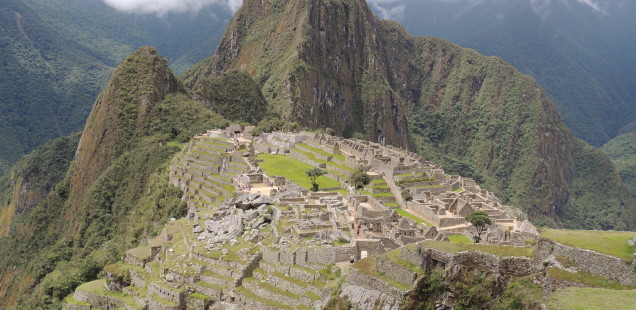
(199, 296)
(394, 257)
(209, 285)
(292, 169)
(290, 279)
(417, 219)
(576, 298)
(389, 194)
(142, 252)
(99, 287)
(459, 190)
(391, 205)
(71, 300)
(459, 239)
(272, 288)
(496, 250)
(367, 266)
(316, 150)
(162, 301)
(612, 243)
(586, 279)
(175, 143)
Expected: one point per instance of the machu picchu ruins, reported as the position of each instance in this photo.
(256, 238)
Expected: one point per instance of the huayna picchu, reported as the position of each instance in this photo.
(415, 145)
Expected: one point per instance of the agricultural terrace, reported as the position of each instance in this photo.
(612, 243)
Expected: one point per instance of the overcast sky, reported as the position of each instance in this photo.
(165, 6)
(390, 9)
(394, 9)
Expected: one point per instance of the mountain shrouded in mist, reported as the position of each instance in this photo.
(576, 49)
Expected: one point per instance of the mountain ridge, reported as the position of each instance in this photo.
(462, 107)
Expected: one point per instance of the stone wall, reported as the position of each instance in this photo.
(246, 303)
(590, 261)
(99, 301)
(253, 287)
(343, 253)
(372, 246)
(167, 293)
(396, 273)
(157, 305)
(193, 303)
(366, 281)
(321, 255)
(214, 294)
(365, 299)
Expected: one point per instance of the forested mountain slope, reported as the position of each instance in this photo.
(73, 206)
(577, 50)
(57, 55)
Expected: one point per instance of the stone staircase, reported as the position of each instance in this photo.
(283, 286)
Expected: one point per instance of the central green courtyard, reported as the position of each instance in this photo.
(294, 170)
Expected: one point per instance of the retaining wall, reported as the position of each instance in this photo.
(590, 261)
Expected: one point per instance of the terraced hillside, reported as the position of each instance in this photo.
(251, 240)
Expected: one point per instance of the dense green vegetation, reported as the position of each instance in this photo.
(475, 289)
(56, 56)
(598, 199)
(236, 96)
(121, 200)
(577, 54)
(622, 152)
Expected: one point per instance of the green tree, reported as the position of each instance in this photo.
(359, 178)
(479, 219)
(313, 175)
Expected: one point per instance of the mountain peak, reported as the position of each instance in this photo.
(120, 113)
(319, 63)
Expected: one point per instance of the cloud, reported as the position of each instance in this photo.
(394, 9)
(161, 7)
(393, 13)
(594, 5)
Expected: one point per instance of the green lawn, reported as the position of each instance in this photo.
(280, 165)
(405, 213)
(459, 239)
(496, 250)
(587, 279)
(576, 298)
(612, 243)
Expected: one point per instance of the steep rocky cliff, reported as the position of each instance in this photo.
(320, 63)
(334, 64)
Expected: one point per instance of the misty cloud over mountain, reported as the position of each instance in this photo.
(161, 7)
(394, 9)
